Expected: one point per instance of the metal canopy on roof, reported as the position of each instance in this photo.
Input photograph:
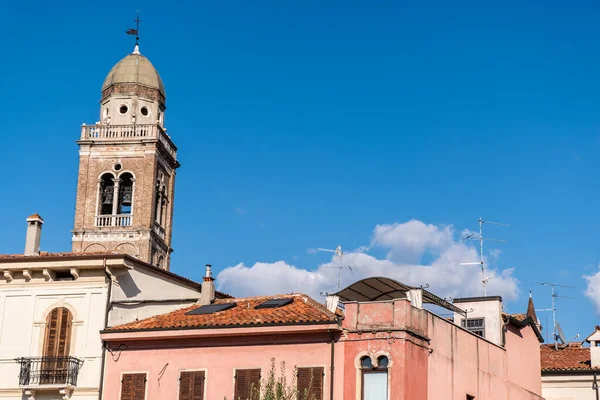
(379, 288)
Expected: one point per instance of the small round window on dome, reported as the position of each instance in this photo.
(123, 109)
(118, 167)
(144, 111)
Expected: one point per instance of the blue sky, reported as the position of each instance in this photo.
(304, 125)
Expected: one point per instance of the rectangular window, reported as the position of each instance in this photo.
(133, 387)
(247, 384)
(191, 385)
(475, 325)
(310, 383)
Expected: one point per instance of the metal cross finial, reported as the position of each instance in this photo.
(135, 31)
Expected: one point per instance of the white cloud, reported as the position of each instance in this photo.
(593, 289)
(406, 245)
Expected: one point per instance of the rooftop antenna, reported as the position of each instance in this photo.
(481, 238)
(135, 31)
(339, 254)
(557, 332)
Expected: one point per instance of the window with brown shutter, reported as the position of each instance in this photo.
(133, 387)
(57, 342)
(310, 383)
(191, 385)
(247, 384)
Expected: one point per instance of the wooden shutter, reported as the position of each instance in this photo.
(191, 385)
(310, 383)
(247, 384)
(57, 342)
(133, 387)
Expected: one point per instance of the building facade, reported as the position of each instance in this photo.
(375, 341)
(53, 306)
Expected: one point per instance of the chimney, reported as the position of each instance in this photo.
(594, 340)
(34, 233)
(207, 296)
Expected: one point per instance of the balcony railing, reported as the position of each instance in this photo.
(114, 220)
(159, 230)
(42, 371)
(111, 133)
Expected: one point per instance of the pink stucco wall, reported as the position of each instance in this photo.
(430, 358)
(449, 365)
(524, 364)
(375, 329)
(462, 363)
(163, 361)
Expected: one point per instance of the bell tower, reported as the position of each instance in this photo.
(127, 165)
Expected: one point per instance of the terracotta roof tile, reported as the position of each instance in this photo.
(303, 310)
(566, 358)
(35, 216)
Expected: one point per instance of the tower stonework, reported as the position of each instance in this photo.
(127, 165)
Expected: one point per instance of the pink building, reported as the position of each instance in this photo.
(373, 341)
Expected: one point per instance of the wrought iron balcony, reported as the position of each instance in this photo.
(49, 371)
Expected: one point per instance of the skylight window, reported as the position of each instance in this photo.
(211, 309)
(274, 303)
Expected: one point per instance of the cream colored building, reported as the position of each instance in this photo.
(572, 371)
(53, 305)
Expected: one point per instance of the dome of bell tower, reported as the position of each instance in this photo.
(132, 71)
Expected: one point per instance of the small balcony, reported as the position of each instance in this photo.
(126, 133)
(114, 220)
(159, 230)
(48, 371)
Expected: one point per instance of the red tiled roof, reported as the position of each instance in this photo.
(566, 358)
(518, 317)
(303, 310)
(35, 216)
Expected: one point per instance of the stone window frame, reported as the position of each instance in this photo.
(374, 360)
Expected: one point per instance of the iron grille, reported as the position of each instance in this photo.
(49, 370)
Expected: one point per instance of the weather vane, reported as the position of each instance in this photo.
(135, 31)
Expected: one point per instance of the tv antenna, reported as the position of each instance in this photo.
(339, 255)
(557, 332)
(479, 236)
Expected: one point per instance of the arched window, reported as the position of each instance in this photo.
(106, 195)
(57, 345)
(163, 195)
(157, 202)
(160, 261)
(125, 194)
(374, 379)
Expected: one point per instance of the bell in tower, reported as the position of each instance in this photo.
(127, 161)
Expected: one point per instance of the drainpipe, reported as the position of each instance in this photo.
(595, 387)
(332, 368)
(103, 360)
